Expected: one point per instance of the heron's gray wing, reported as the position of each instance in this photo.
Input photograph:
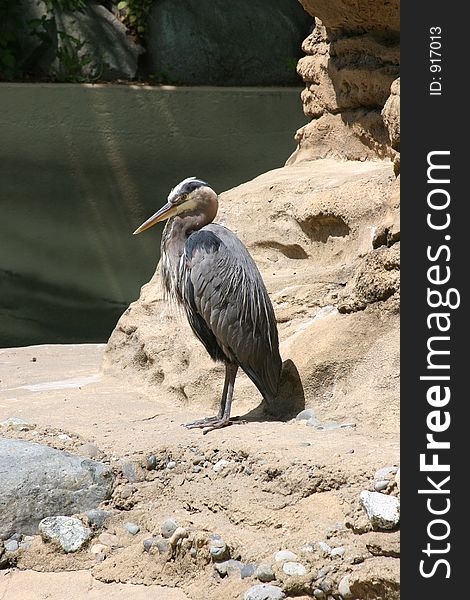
(226, 292)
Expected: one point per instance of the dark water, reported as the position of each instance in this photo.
(82, 166)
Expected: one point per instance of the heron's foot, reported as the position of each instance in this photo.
(211, 423)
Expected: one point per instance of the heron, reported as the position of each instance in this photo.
(208, 271)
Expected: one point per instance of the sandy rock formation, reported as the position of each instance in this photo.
(311, 228)
(352, 60)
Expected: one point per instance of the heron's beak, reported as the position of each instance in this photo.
(166, 211)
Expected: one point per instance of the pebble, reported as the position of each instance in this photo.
(318, 593)
(220, 464)
(305, 415)
(148, 543)
(11, 545)
(305, 444)
(170, 465)
(218, 549)
(64, 437)
(227, 567)
(193, 552)
(196, 469)
(310, 547)
(129, 472)
(17, 424)
(151, 462)
(132, 528)
(89, 450)
(198, 460)
(325, 548)
(168, 528)
(294, 568)
(323, 572)
(99, 549)
(247, 571)
(68, 532)
(339, 551)
(383, 511)
(326, 586)
(108, 539)
(313, 422)
(248, 471)
(97, 517)
(285, 555)
(16, 536)
(264, 591)
(162, 546)
(265, 573)
(381, 485)
(344, 589)
(384, 472)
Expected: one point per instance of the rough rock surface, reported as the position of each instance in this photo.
(37, 481)
(310, 228)
(67, 532)
(352, 58)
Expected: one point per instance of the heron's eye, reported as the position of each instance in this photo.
(181, 198)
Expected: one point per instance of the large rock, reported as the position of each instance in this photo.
(311, 229)
(352, 58)
(214, 42)
(37, 481)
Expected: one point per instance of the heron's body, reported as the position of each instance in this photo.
(207, 270)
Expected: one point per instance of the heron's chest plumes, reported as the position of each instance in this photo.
(172, 252)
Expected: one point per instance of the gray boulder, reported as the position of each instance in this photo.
(215, 42)
(67, 532)
(37, 482)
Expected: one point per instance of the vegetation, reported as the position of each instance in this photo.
(38, 47)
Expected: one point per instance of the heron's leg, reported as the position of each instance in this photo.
(223, 417)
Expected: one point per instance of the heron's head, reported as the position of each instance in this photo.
(192, 197)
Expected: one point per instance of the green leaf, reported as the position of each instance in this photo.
(122, 5)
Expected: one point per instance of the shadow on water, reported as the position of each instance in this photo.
(290, 399)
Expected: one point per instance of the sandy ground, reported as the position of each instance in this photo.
(285, 483)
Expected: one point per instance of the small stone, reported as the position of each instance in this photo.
(329, 425)
(196, 469)
(170, 465)
(16, 536)
(350, 451)
(264, 591)
(339, 551)
(64, 437)
(305, 444)
(348, 425)
(326, 586)
(325, 548)
(313, 422)
(193, 552)
(344, 589)
(318, 593)
(220, 464)
(132, 528)
(294, 568)
(381, 485)
(285, 555)
(227, 567)
(162, 546)
(17, 424)
(323, 572)
(247, 571)
(129, 472)
(305, 415)
(108, 539)
(310, 547)
(265, 573)
(383, 511)
(168, 528)
(198, 460)
(68, 532)
(151, 462)
(384, 473)
(89, 450)
(99, 549)
(218, 549)
(11, 545)
(97, 517)
(248, 471)
(148, 543)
